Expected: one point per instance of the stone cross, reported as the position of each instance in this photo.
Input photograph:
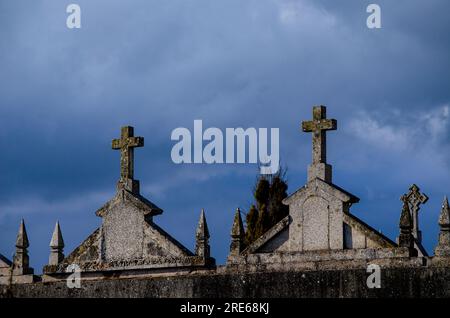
(414, 198)
(126, 145)
(318, 126)
(406, 239)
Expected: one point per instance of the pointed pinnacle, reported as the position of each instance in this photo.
(57, 239)
(202, 228)
(405, 218)
(22, 237)
(444, 217)
(238, 227)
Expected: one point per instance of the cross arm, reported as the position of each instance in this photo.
(116, 144)
(136, 142)
(328, 124)
(321, 124)
(307, 126)
(423, 198)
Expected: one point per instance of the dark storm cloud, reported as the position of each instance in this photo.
(159, 65)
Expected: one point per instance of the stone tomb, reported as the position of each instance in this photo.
(128, 238)
(319, 225)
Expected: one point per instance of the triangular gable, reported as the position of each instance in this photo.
(168, 239)
(87, 251)
(369, 231)
(268, 236)
(332, 189)
(351, 220)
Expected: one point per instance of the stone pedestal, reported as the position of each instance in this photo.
(443, 247)
(322, 171)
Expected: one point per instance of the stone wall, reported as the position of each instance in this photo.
(420, 281)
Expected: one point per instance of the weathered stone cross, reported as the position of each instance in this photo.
(414, 198)
(318, 126)
(126, 144)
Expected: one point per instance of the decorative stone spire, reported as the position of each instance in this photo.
(56, 246)
(406, 238)
(21, 263)
(126, 145)
(237, 235)
(319, 126)
(443, 247)
(202, 237)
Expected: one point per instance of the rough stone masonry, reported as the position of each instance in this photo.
(319, 250)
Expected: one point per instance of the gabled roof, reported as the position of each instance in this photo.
(141, 203)
(171, 239)
(332, 189)
(269, 235)
(4, 262)
(369, 231)
(350, 219)
(86, 251)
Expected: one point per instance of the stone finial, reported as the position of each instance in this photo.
(237, 234)
(405, 217)
(21, 263)
(56, 246)
(22, 237)
(126, 145)
(444, 217)
(202, 237)
(443, 247)
(319, 126)
(414, 198)
(406, 238)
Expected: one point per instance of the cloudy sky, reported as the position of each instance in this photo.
(159, 65)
